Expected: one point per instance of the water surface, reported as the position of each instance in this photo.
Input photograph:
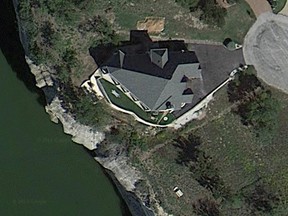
(41, 171)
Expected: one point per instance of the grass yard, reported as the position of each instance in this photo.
(237, 23)
(123, 101)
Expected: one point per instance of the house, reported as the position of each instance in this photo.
(155, 81)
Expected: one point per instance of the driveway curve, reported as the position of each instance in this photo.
(259, 6)
(266, 47)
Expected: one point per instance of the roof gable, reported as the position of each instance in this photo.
(146, 88)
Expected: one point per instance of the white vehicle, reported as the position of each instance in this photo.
(233, 72)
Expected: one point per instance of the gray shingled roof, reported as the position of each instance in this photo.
(153, 91)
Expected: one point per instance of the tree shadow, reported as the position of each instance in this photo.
(13, 51)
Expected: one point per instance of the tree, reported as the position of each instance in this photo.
(261, 113)
(47, 33)
(207, 176)
(189, 149)
(213, 13)
(243, 86)
(257, 107)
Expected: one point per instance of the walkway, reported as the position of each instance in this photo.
(259, 6)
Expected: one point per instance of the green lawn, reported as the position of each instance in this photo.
(123, 101)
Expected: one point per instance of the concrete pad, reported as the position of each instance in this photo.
(266, 47)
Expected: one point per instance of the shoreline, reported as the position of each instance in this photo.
(117, 169)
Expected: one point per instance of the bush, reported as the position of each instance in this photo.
(213, 14)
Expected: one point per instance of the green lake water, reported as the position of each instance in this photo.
(41, 171)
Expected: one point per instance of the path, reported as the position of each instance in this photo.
(259, 6)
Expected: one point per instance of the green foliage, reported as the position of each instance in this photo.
(85, 107)
(88, 112)
(277, 5)
(47, 34)
(25, 13)
(189, 149)
(257, 107)
(63, 73)
(262, 114)
(102, 28)
(136, 141)
(69, 57)
(243, 87)
(200, 165)
(206, 174)
(212, 13)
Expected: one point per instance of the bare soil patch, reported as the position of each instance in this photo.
(152, 24)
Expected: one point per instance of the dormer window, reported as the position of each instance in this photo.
(187, 91)
(159, 57)
(184, 79)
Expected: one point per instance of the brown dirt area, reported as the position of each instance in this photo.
(259, 6)
(152, 24)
